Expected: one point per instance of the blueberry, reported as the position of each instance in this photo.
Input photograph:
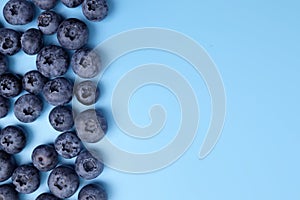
(58, 91)
(8, 192)
(45, 4)
(63, 182)
(18, 12)
(33, 82)
(3, 64)
(72, 33)
(4, 106)
(91, 126)
(95, 10)
(86, 92)
(61, 118)
(87, 166)
(46, 196)
(32, 41)
(10, 85)
(52, 61)
(92, 191)
(67, 145)
(86, 63)
(12, 139)
(9, 41)
(44, 157)
(7, 165)
(48, 22)
(28, 108)
(72, 3)
(26, 179)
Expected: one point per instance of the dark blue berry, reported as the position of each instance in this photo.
(10, 85)
(32, 41)
(44, 157)
(33, 82)
(87, 92)
(48, 22)
(7, 165)
(26, 179)
(92, 191)
(9, 41)
(4, 106)
(87, 166)
(45, 4)
(28, 108)
(46, 196)
(95, 10)
(58, 91)
(12, 139)
(3, 64)
(86, 63)
(8, 192)
(61, 118)
(72, 3)
(67, 145)
(63, 182)
(18, 12)
(72, 34)
(91, 125)
(52, 61)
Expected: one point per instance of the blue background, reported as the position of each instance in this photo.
(255, 45)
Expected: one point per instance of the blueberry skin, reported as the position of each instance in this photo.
(45, 4)
(44, 157)
(4, 106)
(26, 179)
(63, 182)
(32, 41)
(91, 125)
(18, 12)
(94, 10)
(87, 92)
(72, 34)
(86, 63)
(61, 118)
(92, 191)
(10, 85)
(28, 108)
(48, 22)
(9, 41)
(47, 196)
(3, 64)
(72, 3)
(33, 82)
(52, 61)
(68, 145)
(12, 139)
(58, 91)
(87, 166)
(7, 192)
(7, 165)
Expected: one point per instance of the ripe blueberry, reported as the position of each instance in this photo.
(72, 34)
(32, 41)
(87, 166)
(12, 139)
(61, 118)
(44, 157)
(91, 125)
(18, 12)
(26, 179)
(28, 108)
(63, 182)
(67, 145)
(58, 91)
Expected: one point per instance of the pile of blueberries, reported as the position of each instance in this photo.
(47, 83)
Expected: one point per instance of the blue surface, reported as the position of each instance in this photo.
(256, 47)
